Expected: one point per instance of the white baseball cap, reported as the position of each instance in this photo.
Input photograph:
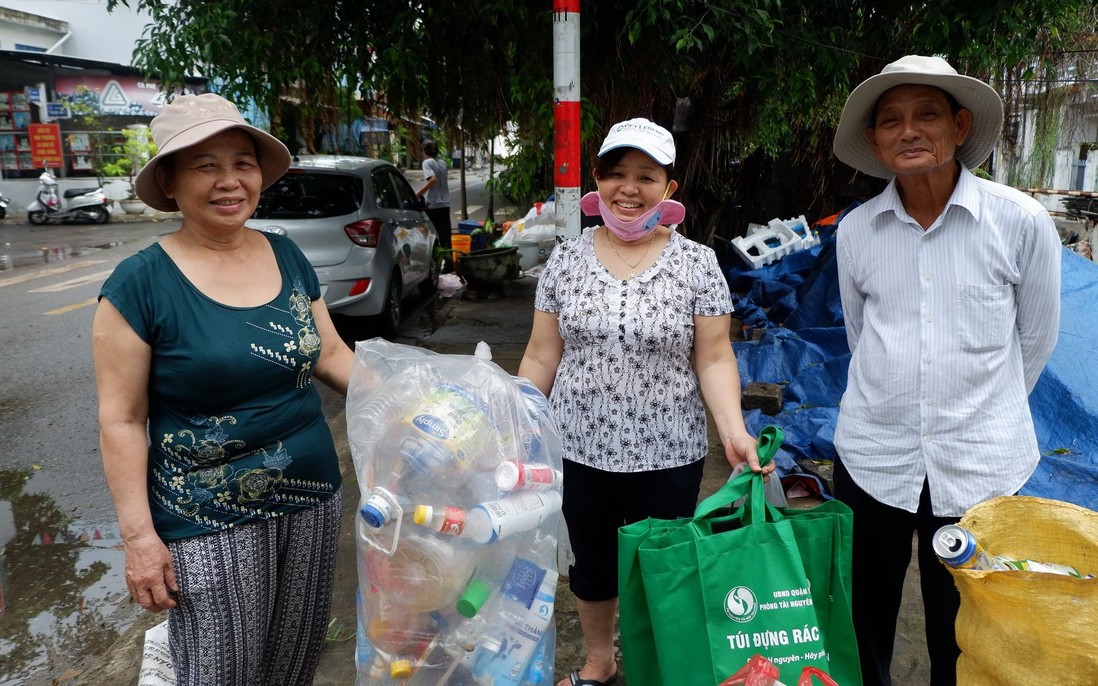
(648, 137)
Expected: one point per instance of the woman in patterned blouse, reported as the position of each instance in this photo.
(631, 321)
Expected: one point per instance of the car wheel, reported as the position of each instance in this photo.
(389, 320)
(3, 212)
(37, 217)
(99, 215)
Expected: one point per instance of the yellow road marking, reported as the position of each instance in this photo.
(48, 272)
(73, 283)
(74, 306)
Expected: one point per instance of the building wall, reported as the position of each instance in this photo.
(21, 31)
(96, 34)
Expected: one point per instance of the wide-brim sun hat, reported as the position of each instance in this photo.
(851, 143)
(190, 119)
(646, 136)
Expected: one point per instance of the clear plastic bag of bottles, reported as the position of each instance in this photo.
(459, 466)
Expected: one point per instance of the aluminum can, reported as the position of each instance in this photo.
(957, 547)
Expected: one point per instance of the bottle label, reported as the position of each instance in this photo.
(453, 521)
(452, 417)
(522, 582)
(539, 477)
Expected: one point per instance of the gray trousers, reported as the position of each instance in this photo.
(254, 601)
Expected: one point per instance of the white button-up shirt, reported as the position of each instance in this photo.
(949, 329)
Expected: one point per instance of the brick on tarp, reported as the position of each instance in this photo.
(763, 396)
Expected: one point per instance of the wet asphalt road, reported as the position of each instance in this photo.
(61, 563)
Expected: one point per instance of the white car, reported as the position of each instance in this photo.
(363, 229)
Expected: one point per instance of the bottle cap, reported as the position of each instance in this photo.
(508, 475)
(422, 515)
(473, 598)
(491, 644)
(376, 512)
(401, 668)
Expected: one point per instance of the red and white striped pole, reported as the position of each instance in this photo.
(566, 116)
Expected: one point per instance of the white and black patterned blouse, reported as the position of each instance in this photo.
(626, 392)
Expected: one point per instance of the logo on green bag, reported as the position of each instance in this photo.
(741, 604)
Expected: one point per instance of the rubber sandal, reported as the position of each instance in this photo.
(575, 679)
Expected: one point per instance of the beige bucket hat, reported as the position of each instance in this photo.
(191, 119)
(851, 144)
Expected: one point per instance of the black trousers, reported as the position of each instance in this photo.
(882, 553)
(597, 503)
(440, 217)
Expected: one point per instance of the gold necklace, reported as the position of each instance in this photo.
(632, 267)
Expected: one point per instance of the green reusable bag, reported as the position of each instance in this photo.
(700, 596)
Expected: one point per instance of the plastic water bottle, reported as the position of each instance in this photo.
(538, 412)
(523, 511)
(439, 439)
(400, 637)
(491, 520)
(425, 572)
(513, 475)
(447, 519)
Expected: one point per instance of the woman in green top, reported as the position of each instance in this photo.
(222, 468)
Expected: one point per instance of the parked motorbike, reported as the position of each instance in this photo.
(87, 204)
(4, 202)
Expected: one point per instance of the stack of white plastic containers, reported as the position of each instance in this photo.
(459, 468)
(765, 245)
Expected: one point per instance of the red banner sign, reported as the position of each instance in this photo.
(45, 144)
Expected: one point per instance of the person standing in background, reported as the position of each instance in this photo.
(950, 289)
(436, 192)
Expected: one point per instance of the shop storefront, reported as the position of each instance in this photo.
(92, 102)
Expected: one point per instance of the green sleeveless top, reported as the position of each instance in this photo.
(235, 424)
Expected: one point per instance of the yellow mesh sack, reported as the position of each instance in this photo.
(1030, 627)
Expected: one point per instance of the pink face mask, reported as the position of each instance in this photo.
(666, 212)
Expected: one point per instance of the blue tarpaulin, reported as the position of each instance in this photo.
(803, 348)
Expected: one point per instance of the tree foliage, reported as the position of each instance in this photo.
(752, 88)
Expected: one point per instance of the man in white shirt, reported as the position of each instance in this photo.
(436, 193)
(950, 289)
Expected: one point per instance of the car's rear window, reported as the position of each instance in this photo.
(310, 195)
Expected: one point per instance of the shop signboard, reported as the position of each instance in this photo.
(113, 95)
(45, 144)
(57, 110)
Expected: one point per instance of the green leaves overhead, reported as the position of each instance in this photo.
(763, 77)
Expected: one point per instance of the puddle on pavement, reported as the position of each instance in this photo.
(49, 254)
(62, 596)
